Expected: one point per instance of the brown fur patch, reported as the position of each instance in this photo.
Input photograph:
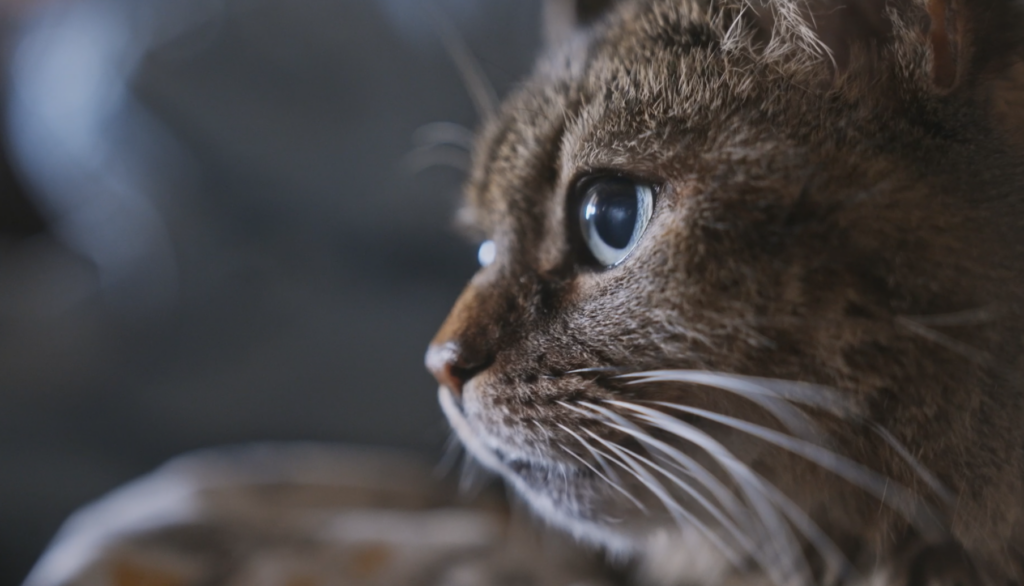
(827, 196)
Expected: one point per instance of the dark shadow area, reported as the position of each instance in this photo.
(212, 231)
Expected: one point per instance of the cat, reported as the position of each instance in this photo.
(750, 299)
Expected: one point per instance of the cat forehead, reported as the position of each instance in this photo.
(656, 78)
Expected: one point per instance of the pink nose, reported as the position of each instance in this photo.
(451, 366)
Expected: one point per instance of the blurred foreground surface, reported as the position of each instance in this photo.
(291, 515)
(223, 237)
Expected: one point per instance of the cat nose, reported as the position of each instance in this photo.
(452, 366)
(467, 343)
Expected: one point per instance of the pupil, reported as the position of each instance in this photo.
(614, 212)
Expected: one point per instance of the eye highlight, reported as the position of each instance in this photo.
(614, 213)
(487, 252)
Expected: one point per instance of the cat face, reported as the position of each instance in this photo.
(746, 291)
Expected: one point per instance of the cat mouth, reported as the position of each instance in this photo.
(566, 494)
(531, 471)
(469, 438)
(536, 472)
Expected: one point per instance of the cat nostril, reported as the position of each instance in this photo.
(451, 366)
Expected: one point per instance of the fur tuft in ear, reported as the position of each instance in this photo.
(944, 43)
(960, 40)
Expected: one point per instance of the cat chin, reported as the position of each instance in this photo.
(662, 548)
(665, 553)
(616, 543)
(581, 511)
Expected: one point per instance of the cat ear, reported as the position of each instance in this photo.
(958, 39)
(563, 17)
(945, 38)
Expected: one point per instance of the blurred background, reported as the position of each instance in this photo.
(225, 221)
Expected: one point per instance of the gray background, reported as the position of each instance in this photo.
(240, 250)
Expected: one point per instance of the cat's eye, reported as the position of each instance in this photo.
(614, 212)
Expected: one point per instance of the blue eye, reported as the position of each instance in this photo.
(614, 212)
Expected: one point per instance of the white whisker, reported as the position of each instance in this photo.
(608, 481)
(484, 98)
(611, 478)
(836, 562)
(449, 458)
(425, 157)
(785, 560)
(682, 515)
(715, 511)
(597, 369)
(969, 317)
(695, 470)
(948, 342)
(902, 500)
(933, 483)
(473, 477)
(812, 395)
(809, 394)
(443, 133)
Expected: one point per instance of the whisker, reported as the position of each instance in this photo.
(466, 434)
(473, 478)
(443, 133)
(597, 369)
(957, 347)
(968, 317)
(612, 479)
(933, 483)
(688, 466)
(606, 457)
(423, 158)
(793, 419)
(715, 511)
(608, 481)
(450, 457)
(809, 394)
(777, 536)
(836, 562)
(816, 396)
(682, 515)
(858, 475)
(948, 342)
(484, 98)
